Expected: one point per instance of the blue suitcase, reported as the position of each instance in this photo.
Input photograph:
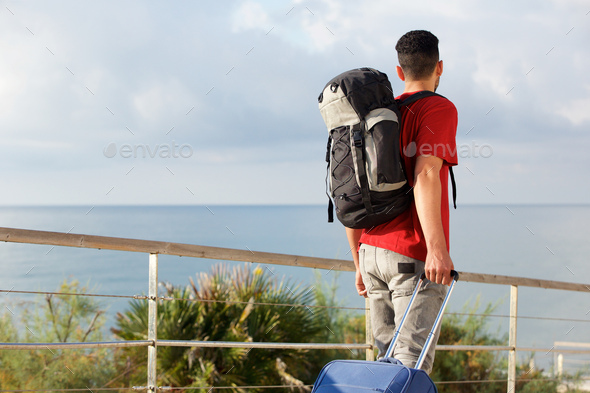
(387, 375)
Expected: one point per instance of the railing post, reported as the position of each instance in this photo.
(512, 339)
(369, 331)
(152, 323)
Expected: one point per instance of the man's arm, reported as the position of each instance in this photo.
(354, 235)
(427, 195)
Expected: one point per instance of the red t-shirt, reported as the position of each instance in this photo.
(429, 126)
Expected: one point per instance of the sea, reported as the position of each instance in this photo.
(536, 241)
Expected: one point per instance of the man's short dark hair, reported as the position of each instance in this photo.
(417, 53)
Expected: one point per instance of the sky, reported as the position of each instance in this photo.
(144, 103)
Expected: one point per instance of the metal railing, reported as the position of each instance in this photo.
(154, 248)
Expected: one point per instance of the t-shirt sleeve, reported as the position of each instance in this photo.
(437, 131)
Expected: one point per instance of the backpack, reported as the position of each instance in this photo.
(366, 178)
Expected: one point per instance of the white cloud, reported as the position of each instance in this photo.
(31, 145)
(163, 100)
(494, 73)
(577, 111)
(313, 28)
(250, 15)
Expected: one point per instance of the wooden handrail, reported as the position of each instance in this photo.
(523, 282)
(16, 235)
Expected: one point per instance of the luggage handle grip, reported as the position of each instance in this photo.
(454, 274)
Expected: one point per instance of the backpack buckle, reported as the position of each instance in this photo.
(357, 137)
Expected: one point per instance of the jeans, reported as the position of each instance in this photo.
(390, 279)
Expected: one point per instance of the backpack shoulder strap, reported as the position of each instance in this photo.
(454, 185)
(416, 96)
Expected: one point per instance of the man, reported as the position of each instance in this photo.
(392, 256)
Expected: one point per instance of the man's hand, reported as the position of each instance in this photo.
(360, 285)
(354, 236)
(438, 266)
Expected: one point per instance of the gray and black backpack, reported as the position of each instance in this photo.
(366, 179)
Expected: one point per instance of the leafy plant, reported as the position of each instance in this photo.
(469, 328)
(242, 304)
(339, 325)
(55, 318)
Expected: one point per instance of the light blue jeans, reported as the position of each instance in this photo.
(390, 279)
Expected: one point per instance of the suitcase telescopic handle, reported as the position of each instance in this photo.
(454, 274)
(437, 321)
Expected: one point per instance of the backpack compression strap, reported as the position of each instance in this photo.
(358, 142)
(330, 203)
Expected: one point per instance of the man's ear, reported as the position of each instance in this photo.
(400, 73)
(439, 68)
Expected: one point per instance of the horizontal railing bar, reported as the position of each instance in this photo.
(86, 345)
(291, 387)
(571, 344)
(523, 282)
(166, 298)
(86, 389)
(494, 381)
(213, 388)
(157, 247)
(261, 303)
(576, 361)
(143, 297)
(519, 317)
(471, 381)
(141, 388)
(263, 345)
(474, 348)
(7, 291)
(260, 345)
(506, 348)
(16, 235)
(556, 350)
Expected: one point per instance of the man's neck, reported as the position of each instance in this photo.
(413, 86)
